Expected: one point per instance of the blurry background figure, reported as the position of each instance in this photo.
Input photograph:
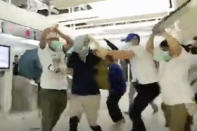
(193, 70)
(116, 91)
(29, 66)
(15, 65)
(24, 95)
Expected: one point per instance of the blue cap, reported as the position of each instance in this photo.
(130, 37)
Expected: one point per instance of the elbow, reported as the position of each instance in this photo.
(70, 42)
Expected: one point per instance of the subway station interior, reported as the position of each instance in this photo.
(36, 95)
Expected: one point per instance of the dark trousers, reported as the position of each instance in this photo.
(113, 107)
(146, 94)
(52, 104)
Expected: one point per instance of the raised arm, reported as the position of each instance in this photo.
(43, 37)
(174, 46)
(150, 44)
(120, 54)
(65, 37)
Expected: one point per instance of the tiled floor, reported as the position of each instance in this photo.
(27, 120)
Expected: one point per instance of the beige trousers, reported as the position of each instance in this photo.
(85, 104)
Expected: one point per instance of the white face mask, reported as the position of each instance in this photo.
(160, 55)
(81, 46)
(127, 45)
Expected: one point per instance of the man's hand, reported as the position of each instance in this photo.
(55, 28)
(46, 31)
(158, 30)
(192, 108)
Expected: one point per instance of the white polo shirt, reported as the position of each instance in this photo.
(49, 78)
(173, 75)
(142, 66)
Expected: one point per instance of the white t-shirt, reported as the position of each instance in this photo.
(49, 78)
(142, 66)
(173, 77)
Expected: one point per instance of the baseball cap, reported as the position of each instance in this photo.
(130, 37)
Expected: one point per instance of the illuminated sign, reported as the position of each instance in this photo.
(19, 30)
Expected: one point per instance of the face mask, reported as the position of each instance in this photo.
(81, 46)
(56, 46)
(83, 53)
(160, 55)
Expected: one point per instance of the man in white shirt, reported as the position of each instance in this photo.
(193, 70)
(144, 73)
(173, 76)
(53, 95)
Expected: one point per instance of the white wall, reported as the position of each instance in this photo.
(6, 88)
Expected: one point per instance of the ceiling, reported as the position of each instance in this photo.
(109, 18)
(62, 4)
(106, 18)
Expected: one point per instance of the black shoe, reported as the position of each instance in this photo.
(96, 128)
(74, 123)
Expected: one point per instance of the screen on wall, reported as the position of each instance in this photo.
(4, 57)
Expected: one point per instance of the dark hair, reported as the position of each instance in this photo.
(195, 38)
(164, 44)
(187, 47)
(138, 37)
(16, 56)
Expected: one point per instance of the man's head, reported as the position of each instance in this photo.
(162, 53)
(16, 58)
(54, 42)
(192, 46)
(132, 38)
(81, 45)
(164, 45)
